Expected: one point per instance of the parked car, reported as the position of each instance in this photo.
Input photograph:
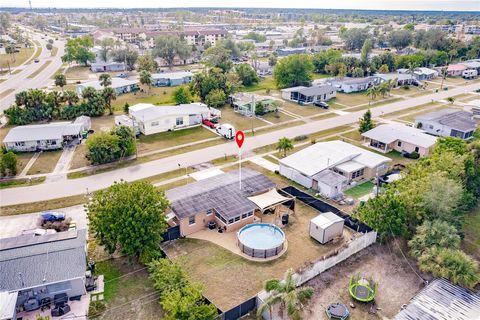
(52, 216)
(226, 130)
(123, 75)
(209, 123)
(36, 60)
(321, 104)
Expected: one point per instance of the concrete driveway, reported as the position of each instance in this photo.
(11, 226)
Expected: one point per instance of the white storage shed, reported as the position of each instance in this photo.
(325, 227)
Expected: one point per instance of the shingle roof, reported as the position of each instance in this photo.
(453, 118)
(50, 131)
(388, 133)
(221, 193)
(41, 259)
(441, 300)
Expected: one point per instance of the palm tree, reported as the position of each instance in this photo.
(70, 97)
(443, 73)
(284, 144)
(88, 92)
(372, 92)
(383, 89)
(10, 49)
(287, 294)
(105, 80)
(108, 95)
(146, 79)
(60, 80)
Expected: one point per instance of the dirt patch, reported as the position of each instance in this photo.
(397, 284)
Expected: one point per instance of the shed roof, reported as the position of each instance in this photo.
(453, 118)
(390, 132)
(326, 219)
(393, 76)
(329, 178)
(41, 259)
(442, 300)
(50, 131)
(323, 155)
(221, 193)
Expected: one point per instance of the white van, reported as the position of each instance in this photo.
(226, 130)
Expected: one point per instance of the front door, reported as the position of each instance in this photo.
(314, 184)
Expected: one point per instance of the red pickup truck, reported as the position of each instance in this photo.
(209, 123)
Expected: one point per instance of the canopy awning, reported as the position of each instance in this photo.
(268, 199)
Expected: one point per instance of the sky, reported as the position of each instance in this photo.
(447, 5)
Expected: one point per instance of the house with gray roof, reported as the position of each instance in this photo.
(39, 267)
(400, 79)
(171, 79)
(442, 300)
(39, 137)
(349, 85)
(448, 122)
(309, 95)
(220, 199)
(120, 86)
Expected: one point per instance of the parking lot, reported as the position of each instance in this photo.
(11, 226)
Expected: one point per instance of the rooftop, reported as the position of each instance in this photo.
(28, 261)
(50, 131)
(313, 90)
(147, 111)
(442, 300)
(172, 75)
(330, 178)
(323, 155)
(388, 133)
(453, 118)
(116, 83)
(221, 193)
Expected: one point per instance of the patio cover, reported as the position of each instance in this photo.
(268, 199)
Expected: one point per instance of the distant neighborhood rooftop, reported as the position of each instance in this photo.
(442, 300)
(28, 261)
(388, 133)
(454, 118)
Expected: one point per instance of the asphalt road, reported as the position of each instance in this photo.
(66, 188)
(20, 82)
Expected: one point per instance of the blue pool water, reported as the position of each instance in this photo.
(261, 236)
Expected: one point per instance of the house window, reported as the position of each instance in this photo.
(357, 173)
(399, 143)
(237, 218)
(154, 123)
(179, 121)
(191, 220)
(417, 149)
(230, 221)
(209, 212)
(250, 213)
(244, 215)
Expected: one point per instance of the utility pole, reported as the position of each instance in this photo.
(253, 112)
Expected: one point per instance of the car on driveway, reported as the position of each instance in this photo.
(209, 123)
(321, 104)
(52, 216)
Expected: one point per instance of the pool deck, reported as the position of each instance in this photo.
(228, 240)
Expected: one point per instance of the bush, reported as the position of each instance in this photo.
(8, 164)
(436, 234)
(107, 147)
(300, 137)
(412, 155)
(58, 226)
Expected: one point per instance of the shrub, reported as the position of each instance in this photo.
(436, 234)
(300, 137)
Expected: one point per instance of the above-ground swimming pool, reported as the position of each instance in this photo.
(261, 240)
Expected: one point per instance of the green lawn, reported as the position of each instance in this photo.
(36, 72)
(266, 83)
(156, 95)
(46, 162)
(16, 59)
(238, 121)
(471, 227)
(360, 190)
(21, 183)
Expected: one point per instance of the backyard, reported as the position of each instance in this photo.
(360, 190)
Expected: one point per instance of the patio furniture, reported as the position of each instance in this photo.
(45, 303)
(337, 311)
(60, 310)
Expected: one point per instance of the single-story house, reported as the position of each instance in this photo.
(282, 52)
(39, 267)
(442, 300)
(349, 85)
(470, 74)
(402, 79)
(448, 122)
(245, 103)
(154, 119)
(472, 64)
(107, 66)
(309, 95)
(328, 167)
(399, 137)
(456, 70)
(120, 85)
(171, 79)
(37, 137)
(220, 199)
(262, 68)
(421, 74)
(474, 107)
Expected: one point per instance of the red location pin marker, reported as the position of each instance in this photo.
(239, 137)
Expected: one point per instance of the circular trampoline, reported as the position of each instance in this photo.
(337, 311)
(361, 289)
(261, 240)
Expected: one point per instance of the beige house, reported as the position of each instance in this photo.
(220, 199)
(399, 137)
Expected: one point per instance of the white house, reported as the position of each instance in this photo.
(171, 79)
(109, 66)
(402, 79)
(399, 137)
(308, 95)
(42, 136)
(118, 84)
(328, 167)
(421, 74)
(154, 119)
(349, 85)
(448, 122)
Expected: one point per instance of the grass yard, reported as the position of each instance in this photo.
(156, 95)
(353, 135)
(37, 53)
(5, 93)
(351, 99)
(36, 72)
(276, 117)
(54, 51)
(41, 205)
(374, 104)
(471, 227)
(238, 121)
(403, 112)
(22, 160)
(79, 160)
(46, 162)
(132, 296)
(21, 183)
(77, 73)
(164, 140)
(324, 116)
(266, 83)
(16, 59)
(303, 111)
(360, 190)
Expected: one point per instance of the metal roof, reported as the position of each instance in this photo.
(330, 178)
(453, 118)
(324, 155)
(442, 300)
(221, 192)
(40, 260)
(313, 90)
(147, 112)
(116, 83)
(172, 75)
(390, 132)
(50, 131)
(326, 219)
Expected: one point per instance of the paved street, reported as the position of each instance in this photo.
(20, 81)
(65, 188)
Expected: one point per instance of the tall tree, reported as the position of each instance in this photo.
(146, 79)
(366, 123)
(284, 144)
(106, 45)
(246, 74)
(147, 63)
(60, 80)
(182, 95)
(434, 234)
(108, 95)
(170, 46)
(105, 80)
(294, 70)
(78, 50)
